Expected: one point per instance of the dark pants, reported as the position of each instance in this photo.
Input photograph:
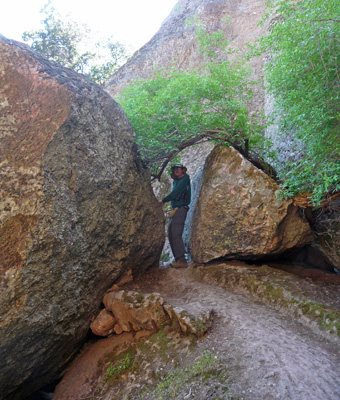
(175, 231)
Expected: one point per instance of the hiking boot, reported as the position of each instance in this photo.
(179, 264)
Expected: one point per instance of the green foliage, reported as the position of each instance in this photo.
(178, 108)
(303, 74)
(116, 368)
(65, 41)
(174, 382)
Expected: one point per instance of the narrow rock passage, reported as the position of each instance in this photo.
(269, 355)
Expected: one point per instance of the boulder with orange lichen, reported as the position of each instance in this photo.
(76, 211)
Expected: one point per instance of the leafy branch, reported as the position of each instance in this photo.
(176, 109)
(63, 40)
(303, 77)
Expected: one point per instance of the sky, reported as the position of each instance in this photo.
(131, 22)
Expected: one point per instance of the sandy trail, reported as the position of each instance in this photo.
(270, 356)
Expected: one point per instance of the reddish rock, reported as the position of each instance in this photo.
(136, 311)
(81, 379)
(76, 211)
(118, 329)
(104, 324)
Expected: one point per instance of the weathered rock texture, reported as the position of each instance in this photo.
(131, 311)
(76, 211)
(134, 311)
(238, 214)
(105, 324)
(288, 147)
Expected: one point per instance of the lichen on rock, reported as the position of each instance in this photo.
(239, 214)
(76, 211)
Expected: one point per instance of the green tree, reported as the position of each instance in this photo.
(179, 108)
(303, 74)
(69, 43)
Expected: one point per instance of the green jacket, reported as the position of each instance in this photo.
(181, 192)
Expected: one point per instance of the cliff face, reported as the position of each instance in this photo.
(77, 210)
(175, 42)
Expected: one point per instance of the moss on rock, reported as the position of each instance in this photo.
(310, 302)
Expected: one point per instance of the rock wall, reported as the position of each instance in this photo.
(76, 211)
(288, 147)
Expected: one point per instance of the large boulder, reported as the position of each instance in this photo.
(239, 214)
(76, 211)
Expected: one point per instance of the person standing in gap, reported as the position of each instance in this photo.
(180, 198)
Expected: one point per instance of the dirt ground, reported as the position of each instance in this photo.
(260, 353)
(268, 355)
